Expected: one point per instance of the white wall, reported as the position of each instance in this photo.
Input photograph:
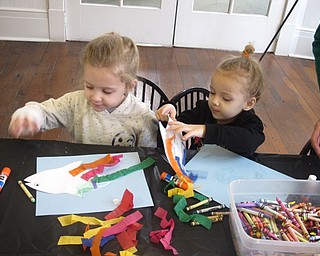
(32, 20)
(297, 34)
(44, 20)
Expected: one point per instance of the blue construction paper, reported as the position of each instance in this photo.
(100, 200)
(223, 167)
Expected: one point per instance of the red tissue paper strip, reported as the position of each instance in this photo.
(127, 238)
(125, 205)
(164, 236)
(100, 168)
(123, 224)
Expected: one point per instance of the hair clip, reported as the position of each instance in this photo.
(245, 54)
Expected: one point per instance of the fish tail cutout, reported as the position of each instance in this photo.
(173, 162)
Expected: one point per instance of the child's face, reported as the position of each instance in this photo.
(228, 97)
(102, 88)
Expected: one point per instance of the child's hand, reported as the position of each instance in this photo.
(163, 112)
(24, 123)
(190, 130)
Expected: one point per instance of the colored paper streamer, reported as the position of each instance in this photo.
(109, 177)
(83, 167)
(184, 217)
(125, 205)
(163, 236)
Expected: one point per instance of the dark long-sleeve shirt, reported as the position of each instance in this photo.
(243, 136)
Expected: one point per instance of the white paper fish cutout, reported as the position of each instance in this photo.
(59, 180)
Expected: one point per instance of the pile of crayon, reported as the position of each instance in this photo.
(213, 214)
(278, 220)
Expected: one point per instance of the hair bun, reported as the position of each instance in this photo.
(249, 49)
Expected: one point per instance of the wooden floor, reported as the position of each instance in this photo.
(289, 107)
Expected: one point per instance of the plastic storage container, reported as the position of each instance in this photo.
(254, 190)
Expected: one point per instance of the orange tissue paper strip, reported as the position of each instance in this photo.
(104, 160)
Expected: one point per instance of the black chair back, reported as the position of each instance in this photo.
(148, 91)
(187, 99)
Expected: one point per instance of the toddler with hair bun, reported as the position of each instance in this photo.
(227, 118)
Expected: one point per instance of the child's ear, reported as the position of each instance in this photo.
(133, 84)
(250, 103)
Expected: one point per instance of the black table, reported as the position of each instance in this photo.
(22, 233)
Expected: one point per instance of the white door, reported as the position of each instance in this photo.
(227, 24)
(146, 21)
(218, 24)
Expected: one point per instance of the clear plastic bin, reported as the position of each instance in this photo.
(254, 190)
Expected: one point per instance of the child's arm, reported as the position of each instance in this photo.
(243, 136)
(163, 112)
(50, 114)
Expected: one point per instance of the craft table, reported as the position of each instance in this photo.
(22, 233)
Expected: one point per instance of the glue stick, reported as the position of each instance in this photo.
(4, 176)
(179, 183)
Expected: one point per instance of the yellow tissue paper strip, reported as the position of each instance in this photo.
(129, 252)
(72, 218)
(66, 240)
(178, 191)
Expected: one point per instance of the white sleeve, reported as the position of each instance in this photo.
(149, 131)
(30, 112)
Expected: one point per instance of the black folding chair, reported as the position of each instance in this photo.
(187, 99)
(148, 91)
(307, 149)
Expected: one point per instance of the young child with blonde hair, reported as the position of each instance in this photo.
(227, 118)
(105, 111)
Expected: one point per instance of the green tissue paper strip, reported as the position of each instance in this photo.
(184, 217)
(109, 177)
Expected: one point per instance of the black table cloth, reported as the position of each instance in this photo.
(22, 233)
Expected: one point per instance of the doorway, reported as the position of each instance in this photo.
(220, 24)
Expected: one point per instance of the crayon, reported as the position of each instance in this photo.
(191, 207)
(209, 209)
(304, 230)
(267, 232)
(4, 176)
(26, 191)
(218, 213)
(216, 218)
(288, 213)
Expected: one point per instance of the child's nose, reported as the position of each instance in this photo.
(215, 100)
(96, 96)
